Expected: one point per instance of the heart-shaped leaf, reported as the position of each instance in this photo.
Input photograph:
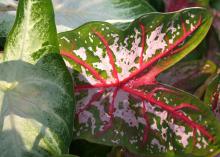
(119, 101)
(36, 101)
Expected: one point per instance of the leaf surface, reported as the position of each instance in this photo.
(34, 34)
(120, 102)
(212, 96)
(196, 72)
(36, 108)
(73, 13)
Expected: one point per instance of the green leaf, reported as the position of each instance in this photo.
(34, 34)
(119, 101)
(159, 5)
(215, 4)
(6, 21)
(72, 14)
(36, 100)
(36, 108)
(196, 72)
(212, 96)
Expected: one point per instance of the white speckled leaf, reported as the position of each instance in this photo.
(119, 101)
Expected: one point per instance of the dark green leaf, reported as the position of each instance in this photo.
(212, 96)
(83, 148)
(195, 72)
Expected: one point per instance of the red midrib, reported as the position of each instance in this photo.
(143, 39)
(161, 55)
(174, 111)
(110, 55)
(171, 110)
(84, 64)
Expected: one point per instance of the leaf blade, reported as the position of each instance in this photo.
(118, 95)
(32, 37)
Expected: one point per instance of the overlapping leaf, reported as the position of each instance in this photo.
(212, 96)
(34, 34)
(36, 100)
(6, 21)
(119, 101)
(196, 72)
(35, 108)
(172, 5)
(73, 13)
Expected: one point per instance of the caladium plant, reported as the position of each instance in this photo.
(120, 102)
(36, 96)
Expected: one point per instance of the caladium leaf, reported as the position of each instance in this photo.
(6, 22)
(119, 101)
(73, 13)
(212, 96)
(36, 101)
(31, 24)
(196, 72)
(216, 22)
(36, 108)
(172, 5)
